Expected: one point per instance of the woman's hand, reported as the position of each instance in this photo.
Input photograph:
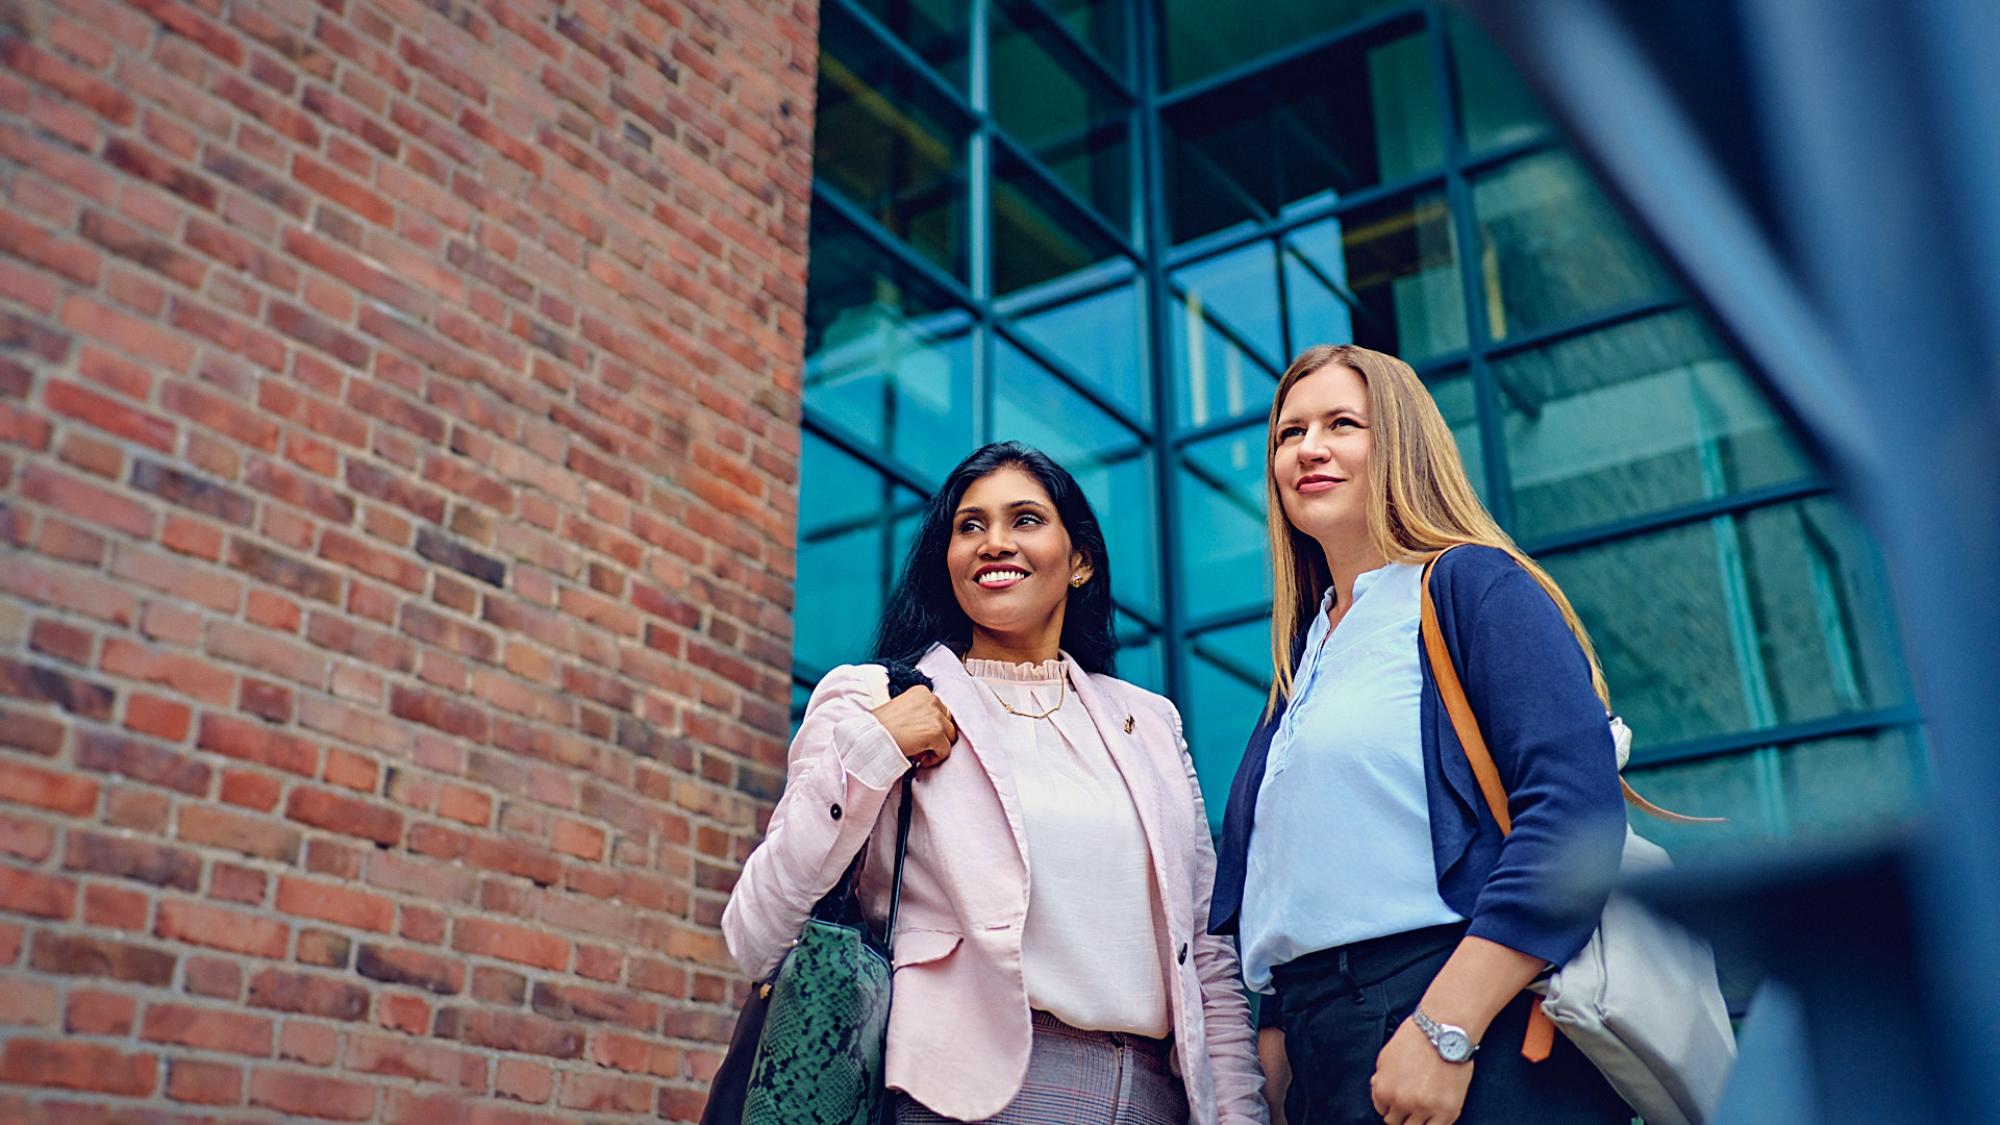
(921, 725)
(1413, 1085)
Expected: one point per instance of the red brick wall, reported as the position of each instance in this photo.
(398, 442)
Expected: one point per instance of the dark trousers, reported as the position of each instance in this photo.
(1338, 1008)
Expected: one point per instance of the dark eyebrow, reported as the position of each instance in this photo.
(1017, 505)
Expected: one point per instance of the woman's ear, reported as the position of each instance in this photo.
(1080, 569)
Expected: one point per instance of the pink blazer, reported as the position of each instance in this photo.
(959, 1029)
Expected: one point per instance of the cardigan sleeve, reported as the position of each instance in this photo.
(1529, 684)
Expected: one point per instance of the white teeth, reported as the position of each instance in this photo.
(994, 576)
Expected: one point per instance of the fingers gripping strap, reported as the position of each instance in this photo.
(1541, 1036)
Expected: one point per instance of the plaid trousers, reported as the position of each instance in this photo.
(1080, 1077)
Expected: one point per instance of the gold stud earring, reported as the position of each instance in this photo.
(1076, 580)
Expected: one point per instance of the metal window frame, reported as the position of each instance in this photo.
(1156, 259)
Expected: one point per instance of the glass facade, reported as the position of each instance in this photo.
(1102, 226)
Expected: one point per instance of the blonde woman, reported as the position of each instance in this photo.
(1368, 886)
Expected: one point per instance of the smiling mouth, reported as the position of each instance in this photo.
(999, 579)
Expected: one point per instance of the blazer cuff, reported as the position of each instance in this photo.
(868, 752)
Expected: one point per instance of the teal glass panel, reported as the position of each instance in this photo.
(885, 141)
(1100, 25)
(1229, 674)
(1457, 399)
(1826, 631)
(1840, 786)
(1074, 123)
(1552, 249)
(1140, 659)
(1109, 462)
(1222, 540)
(1821, 789)
(1204, 38)
(1359, 114)
(1736, 623)
(1735, 787)
(1494, 107)
(1227, 335)
(1042, 242)
(888, 356)
(938, 30)
(1395, 264)
(849, 552)
(1645, 415)
(1101, 337)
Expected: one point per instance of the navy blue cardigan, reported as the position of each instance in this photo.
(1529, 684)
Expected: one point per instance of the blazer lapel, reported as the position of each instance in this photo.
(974, 711)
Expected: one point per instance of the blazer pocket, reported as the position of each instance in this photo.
(920, 947)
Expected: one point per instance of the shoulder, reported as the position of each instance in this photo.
(1472, 569)
(1133, 696)
(850, 681)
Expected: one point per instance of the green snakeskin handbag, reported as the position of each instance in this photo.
(808, 1045)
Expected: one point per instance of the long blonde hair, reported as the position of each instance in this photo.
(1419, 502)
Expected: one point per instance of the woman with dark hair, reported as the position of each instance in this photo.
(1050, 959)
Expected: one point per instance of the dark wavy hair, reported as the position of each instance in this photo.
(922, 610)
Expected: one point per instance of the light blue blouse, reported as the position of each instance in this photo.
(1341, 851)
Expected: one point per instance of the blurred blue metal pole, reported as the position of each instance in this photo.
(1825, 176)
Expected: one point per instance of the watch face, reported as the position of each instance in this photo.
(1454, 1046)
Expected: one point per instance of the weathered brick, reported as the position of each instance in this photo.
(338, 812)
(391, 965)
(78, 1066)
(220, 928)
(67, 955)
(212, 1029)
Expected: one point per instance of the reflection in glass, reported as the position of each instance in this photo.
(1102, 337)
(1359, 114)
(1552, 249)
(1397, 263)
(1075, 125)
(1737, 623)
(1494, 106)
(1140, 660)
(937, 30)
(1204, 38)
(1111, 464)
(1227, 337)
(849, 550)
(889, 358)
(1826, 636)
(1822, 788)
(1222, 540)
(1040, 238)
(1229, 672)
(1645, 415)
(1458, 400)
(1097, 24)
(884, 141)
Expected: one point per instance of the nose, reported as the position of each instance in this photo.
(997, 542)
(1312, 446)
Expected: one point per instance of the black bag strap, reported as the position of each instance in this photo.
(843, 902)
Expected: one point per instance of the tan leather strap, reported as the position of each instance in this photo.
(1462, 719)
(1633, 798)
(1541, 1034)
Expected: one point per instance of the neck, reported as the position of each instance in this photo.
(1016, 648)
(1348, 556)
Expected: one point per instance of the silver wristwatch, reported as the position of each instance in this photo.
(1452, 1043)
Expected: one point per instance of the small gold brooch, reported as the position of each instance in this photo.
(1128, 724)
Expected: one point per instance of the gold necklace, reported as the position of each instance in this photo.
(1062, 683)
